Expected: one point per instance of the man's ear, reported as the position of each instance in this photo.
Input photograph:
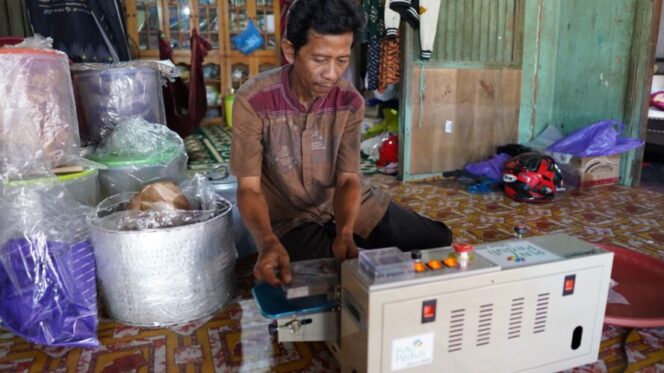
(288, 50)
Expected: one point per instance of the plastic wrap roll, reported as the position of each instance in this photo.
(38, 124)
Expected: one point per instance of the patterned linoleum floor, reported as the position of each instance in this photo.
(236, 339)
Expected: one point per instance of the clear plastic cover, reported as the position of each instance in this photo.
(158, 273)
(113, 213)
(386, 263)
(313, 277)
(38, 124)
(47, 267)
(137, 153)
(107, 94)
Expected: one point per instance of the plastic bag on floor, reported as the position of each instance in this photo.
(491, 168)
(601, 138)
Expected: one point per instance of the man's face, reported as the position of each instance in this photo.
(320, 63)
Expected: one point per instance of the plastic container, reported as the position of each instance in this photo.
(228, 108)
(130, 174)
(165, 276)
(109, 96)
(38, 125)
(388, 263)
(82, 186)
(636, 276)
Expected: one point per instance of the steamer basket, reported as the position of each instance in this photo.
(166, 276)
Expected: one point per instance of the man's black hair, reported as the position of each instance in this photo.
(325, 17)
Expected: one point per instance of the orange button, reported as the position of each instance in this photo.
(450, 262)
(569, 284)
(419, 267)
(434, 264)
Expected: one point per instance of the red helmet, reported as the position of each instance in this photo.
(388, 155)
(532, 177)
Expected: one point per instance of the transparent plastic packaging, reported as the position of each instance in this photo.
(165, 268)
(386, 263)
(313, 277)
(38, 124)
(47, 267)
(113, 213)
(137, 153)
(107, 94)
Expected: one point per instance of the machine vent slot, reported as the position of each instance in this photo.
(516, 318)
(456, 330)
(541, 311)
(484, 325)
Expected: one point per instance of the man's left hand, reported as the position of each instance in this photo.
(344, 247)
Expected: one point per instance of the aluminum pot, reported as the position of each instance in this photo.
(166, 276)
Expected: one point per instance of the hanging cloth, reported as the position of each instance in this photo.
(14, 19)
(185, 108)
(87, 30)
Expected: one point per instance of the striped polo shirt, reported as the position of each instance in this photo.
(297, 153)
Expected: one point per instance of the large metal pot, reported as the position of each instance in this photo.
(165, 276)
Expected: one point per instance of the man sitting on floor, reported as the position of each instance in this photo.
(296, 153)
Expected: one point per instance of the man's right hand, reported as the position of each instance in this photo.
(273, 265)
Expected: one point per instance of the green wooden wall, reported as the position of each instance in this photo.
(479, 31)
(586, 61)
(576, 63)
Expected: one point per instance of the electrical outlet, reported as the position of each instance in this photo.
(448, 126)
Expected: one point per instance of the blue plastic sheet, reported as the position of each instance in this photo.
(601, 138)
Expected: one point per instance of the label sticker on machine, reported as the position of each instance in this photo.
(517, 253)
(412, 351)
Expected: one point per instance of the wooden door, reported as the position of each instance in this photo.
(457, 107)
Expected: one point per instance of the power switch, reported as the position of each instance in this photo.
(428, 311)
(568, 286)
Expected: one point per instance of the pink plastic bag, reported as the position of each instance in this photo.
(601, 138)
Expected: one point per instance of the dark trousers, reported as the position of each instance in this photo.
(399, 227)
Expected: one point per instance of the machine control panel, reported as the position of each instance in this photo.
(390, 266)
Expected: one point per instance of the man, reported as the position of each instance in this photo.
(296, 153)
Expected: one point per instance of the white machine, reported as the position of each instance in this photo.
(524, 305)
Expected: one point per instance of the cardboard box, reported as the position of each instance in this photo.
(595, 171)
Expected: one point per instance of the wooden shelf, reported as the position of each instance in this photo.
(159, 13)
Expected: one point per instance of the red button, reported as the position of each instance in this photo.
(429, 311)
(568, 285)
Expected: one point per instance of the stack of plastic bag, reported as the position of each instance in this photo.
(48, 291)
